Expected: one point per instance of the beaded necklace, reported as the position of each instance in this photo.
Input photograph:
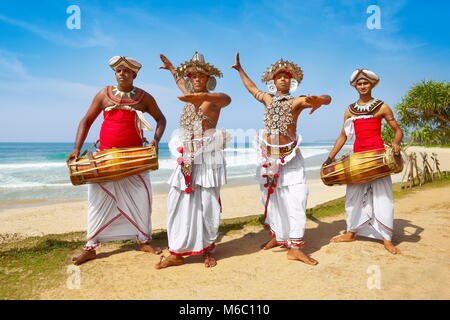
(367, 108)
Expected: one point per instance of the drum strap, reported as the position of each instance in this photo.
(91, 156)
(89, 148)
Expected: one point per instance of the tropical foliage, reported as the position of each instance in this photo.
(387, 133)
(424, 112)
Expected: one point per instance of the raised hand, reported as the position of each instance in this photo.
(166, 63)
(169, 66)
(237, 65)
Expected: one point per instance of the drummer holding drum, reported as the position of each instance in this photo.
(119, 209)
(369, 206)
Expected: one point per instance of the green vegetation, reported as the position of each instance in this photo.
(29, 266)
(424, 114)
(34, 264)
(387, 134)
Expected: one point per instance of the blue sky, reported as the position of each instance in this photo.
(50, 73)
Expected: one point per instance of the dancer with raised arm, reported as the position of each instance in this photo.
(280, 169)
(194, 204)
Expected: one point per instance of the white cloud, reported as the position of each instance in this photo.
(11, 66)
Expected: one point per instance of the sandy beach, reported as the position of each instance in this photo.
(358, 270)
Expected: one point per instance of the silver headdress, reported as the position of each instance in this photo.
(198, 64)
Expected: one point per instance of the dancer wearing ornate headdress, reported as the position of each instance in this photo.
(120, 210)
(369, 206)
(280, 170)
(194, 198)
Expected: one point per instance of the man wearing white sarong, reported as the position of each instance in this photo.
(369, 206)
(280, 170)
(120, 210)
(194, 198)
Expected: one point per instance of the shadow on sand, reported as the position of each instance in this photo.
(315, 239)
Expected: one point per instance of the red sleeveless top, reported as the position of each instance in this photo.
(119, 130)
(368, 135)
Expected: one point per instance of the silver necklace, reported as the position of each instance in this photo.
(278, 115)
(191, 120)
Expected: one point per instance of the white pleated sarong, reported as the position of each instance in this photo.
(119, 210)
(370, 208)
(193, 218)
(285, 208)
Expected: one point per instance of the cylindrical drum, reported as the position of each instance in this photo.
(112, 164)
(362, 167)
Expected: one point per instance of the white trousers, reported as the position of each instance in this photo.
(370, 208)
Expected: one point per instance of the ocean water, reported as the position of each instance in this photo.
(38, 170)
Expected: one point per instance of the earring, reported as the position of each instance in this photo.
(271, 86)
(211, 83)
(294, 85)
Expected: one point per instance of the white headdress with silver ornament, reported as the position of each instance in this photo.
(128, 62)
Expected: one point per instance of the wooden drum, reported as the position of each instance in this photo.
(362, 167)
(112, 164)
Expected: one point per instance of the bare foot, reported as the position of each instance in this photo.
(148, 248)
(171, 260)
(269, 244)
(84, 256)
(297, 254)
(346, 237)
(210, 261)
(390, 247)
